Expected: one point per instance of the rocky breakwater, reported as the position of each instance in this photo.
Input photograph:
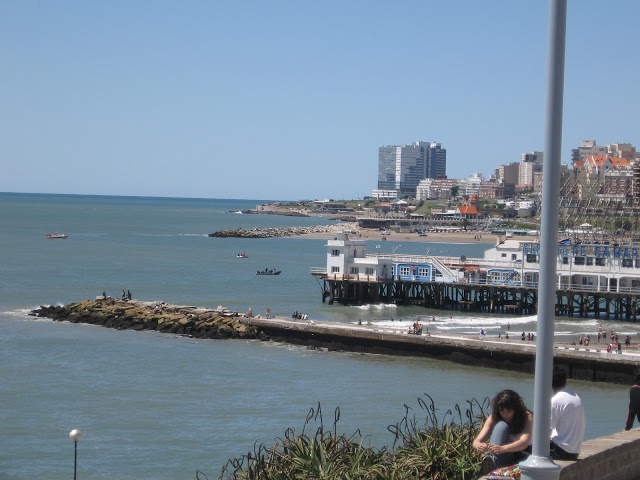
(282, 231)
(135, 315)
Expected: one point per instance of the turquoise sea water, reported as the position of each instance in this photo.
(159, 406)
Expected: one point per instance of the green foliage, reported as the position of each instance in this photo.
(430, 449)
(439, 450)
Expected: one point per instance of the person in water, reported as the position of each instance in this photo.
(505, 437)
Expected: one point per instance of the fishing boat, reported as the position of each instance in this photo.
(242, 255)
(268, 271)
(55, 235)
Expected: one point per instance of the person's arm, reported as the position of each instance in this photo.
(520, 444)
(480, 442)
(631, 415)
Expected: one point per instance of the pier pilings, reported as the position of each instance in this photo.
(475, 297)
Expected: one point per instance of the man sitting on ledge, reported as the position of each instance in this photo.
(567, 419)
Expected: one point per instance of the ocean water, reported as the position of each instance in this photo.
(158, 406)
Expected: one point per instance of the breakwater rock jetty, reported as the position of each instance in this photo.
(282, 231)
(583, 363)
(159, 316)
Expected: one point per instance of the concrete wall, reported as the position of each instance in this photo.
(616, 457)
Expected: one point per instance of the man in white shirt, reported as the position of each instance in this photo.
(567, 419)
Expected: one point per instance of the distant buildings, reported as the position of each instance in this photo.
(597, 174)
(402, 168)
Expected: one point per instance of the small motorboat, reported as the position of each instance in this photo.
(55, 235)
(242, 255)
(268, 271)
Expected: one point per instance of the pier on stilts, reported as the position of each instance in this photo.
(466, 297)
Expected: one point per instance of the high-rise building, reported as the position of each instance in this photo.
(401, 168)
(587, 149)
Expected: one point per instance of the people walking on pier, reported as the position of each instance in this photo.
(634, 404)
(505, 437)
(567, 419)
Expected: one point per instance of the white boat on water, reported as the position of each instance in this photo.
(581, 266)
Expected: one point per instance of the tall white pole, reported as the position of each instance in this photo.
(539, 465)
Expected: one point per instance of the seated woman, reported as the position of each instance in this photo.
(508, 430)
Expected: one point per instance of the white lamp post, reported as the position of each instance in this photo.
(75, 435)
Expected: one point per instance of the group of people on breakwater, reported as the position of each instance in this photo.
(506, 436)
(613, 343)
(125, 295)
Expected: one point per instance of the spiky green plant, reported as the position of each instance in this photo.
(427, 449)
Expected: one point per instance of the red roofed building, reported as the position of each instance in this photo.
(467, 211)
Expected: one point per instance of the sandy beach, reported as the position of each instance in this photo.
(438, 237)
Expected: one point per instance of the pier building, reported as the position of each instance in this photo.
(593, 279)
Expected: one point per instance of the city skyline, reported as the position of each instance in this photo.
(292, 101)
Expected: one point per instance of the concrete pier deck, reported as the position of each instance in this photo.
(592, 363)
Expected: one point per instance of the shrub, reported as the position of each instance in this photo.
(429, 449)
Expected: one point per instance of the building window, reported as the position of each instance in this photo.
(589, 260)
(532, 258)
(578, 260)
(405, 270)
(369, 271)
(514, 256)
(335, 269)
(423, 272)
(600, 261)
(627, 262)
(335, 253)
(355, 270)
(565, 260)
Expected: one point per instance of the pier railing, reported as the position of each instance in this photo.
(562, 285)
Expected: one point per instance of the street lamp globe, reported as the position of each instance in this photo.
(75, 435)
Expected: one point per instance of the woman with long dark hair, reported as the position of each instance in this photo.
(508, 430)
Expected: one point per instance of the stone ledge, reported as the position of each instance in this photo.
(614, 457)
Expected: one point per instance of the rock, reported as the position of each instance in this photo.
(123, 315)
(279, 232)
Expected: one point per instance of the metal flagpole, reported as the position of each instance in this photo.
(539, 465)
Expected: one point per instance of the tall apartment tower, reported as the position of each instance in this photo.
(401, 168)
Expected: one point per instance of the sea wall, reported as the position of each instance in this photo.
(589, 364)
(581, 363)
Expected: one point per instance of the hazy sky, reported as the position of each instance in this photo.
(291, 99)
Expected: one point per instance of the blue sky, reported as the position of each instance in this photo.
(291, 99)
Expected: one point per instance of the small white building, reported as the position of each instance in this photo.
(347, 259)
